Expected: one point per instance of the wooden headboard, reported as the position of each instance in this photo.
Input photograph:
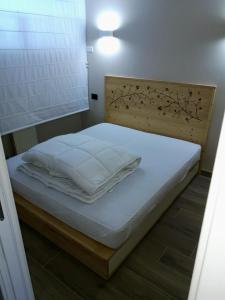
(177, 110)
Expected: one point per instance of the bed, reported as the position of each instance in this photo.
(102, 234)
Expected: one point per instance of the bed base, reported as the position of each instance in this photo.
(99, 258)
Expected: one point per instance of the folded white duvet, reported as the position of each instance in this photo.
(79, 165)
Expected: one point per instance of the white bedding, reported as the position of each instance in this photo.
(79, 165)
(111, 219)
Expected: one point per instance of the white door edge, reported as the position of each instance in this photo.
(209, 271)
(11, 241)
(5, 279)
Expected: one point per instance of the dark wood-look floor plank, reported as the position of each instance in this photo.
(81, 279)
(178, 262)
(110, 293)
(76, 275)
(48, 287)
(199, 189)
(185, 222)
(194, 196)
(201, 182)
(136, 286)
(37, 246)
(146, 261)
(173, 238)
(189, 204)
(194, 252)
(159, 268)
(150, 249)
(164, 277)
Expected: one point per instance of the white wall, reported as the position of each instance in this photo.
(168, 40)
(24, 139)
(60, 126)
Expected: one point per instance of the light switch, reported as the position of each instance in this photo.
(90, 49)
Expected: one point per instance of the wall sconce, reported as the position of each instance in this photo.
(107, 23)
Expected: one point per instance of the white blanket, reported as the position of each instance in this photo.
(79, 165)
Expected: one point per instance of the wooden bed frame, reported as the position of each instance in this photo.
(172, 109)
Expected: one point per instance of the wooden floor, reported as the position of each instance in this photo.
(159, 268)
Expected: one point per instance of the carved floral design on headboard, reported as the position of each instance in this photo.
(183, 102)
(175, 109)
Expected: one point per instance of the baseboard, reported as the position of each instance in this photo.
(206, 173)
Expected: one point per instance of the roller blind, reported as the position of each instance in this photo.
(43, 72)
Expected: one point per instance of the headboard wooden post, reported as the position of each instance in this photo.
(178, 110)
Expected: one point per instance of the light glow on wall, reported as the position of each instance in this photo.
(108, 45)
(108, 21)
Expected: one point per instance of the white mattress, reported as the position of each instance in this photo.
(111, 219)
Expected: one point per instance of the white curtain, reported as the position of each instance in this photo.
(43, 72)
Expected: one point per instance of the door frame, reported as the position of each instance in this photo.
(14, 274)
(209, 271)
